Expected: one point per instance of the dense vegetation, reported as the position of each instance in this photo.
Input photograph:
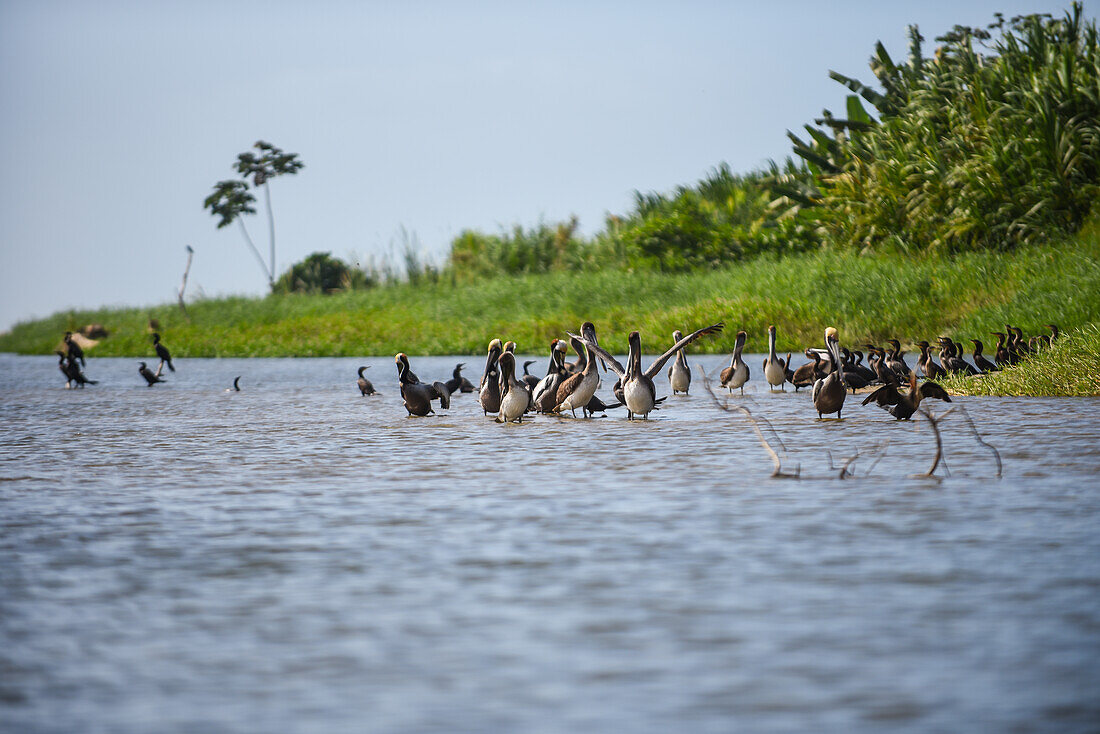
(868, 298)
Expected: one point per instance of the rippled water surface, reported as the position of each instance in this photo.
(297, 558)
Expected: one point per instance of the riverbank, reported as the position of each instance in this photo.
(867, 298)
(1071, 367)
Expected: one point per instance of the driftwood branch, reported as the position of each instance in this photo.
(978, 438)
(778, 470)
(934, 421)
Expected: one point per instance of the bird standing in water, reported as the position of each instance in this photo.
(162, 353)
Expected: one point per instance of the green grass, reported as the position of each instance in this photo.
(1070, 368)
(868, 298)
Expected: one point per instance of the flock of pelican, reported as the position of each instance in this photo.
(834, 371)
(569, 386)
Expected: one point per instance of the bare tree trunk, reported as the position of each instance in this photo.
(183, 285)
(270, 226)
(259, 257)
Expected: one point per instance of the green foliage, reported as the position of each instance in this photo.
(231, 198)
(1071, 367)
(320, 273)
(974, 149)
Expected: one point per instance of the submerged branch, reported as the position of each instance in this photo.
(778, 470)
(978, 438)
(934, 420)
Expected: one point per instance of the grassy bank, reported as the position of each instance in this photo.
(867, 298)
(1070, 368)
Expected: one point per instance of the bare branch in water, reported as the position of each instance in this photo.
(978, 438)
(881, 449)
(934, 420)
(844, 473)
(778, 471)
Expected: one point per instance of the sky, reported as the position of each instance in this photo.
(415, 120)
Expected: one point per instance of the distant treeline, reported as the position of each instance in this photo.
(991, 142)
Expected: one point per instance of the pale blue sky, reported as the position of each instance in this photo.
(116, 118)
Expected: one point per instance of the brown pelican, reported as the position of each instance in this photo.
(903, 405)
(489, 390)
(514, 394)
(162, 354)
(980, 361)
(365, 388)
(829, 392)
(577, 365)
(576, 390)
(775, 369)
(545, 394)
(679, 374)
(148, 375)
(737, 374)
(638, 387)
(418, 397)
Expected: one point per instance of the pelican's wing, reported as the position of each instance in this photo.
(655, 368)
(604, 355)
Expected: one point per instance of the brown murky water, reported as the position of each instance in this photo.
(297, 558)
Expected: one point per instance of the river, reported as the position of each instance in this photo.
(298, 558)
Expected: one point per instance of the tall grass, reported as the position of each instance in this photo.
(1071, 367)
(867, 298)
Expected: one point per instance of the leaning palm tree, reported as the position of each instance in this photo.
(229, 201)
(271, 162)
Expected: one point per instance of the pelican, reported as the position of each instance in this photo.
(418, 397)
(577, 390)
(544, 396)
(775, 370)
(829, 392)
(489, 390)
(679, 374)
(638, 390)
(514, 395)
(737, 374)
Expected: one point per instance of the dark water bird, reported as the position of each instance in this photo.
(458, 383)
(883, 373)
(809, 373)
(927, 364)
(1001, 355)
(638, 389)
(775, 369)
(895, 359)
(74, 350)
(162, 353)
(515, 397)
(365, 386)
(530, 379)
(544, 395)
(236, 385)
(788, 371)
(853, 368)
(69, 367)
(148, 375)
(1053, 334)
(418, 397)
(595, 405)
(829, 392)
(980, 361)
(951, 358)
(489, 389)
(903, 405)
(578, 388)
(679, 374)
(1016, 343)
(737, 374)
